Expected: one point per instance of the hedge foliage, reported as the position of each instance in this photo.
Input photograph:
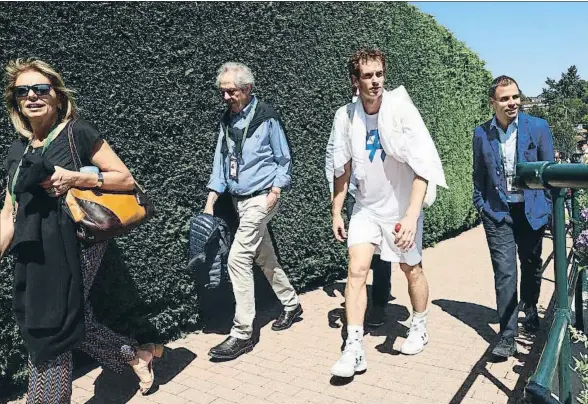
(144, 74)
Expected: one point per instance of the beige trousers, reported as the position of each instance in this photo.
(253, 242)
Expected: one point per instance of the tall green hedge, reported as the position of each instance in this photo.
(144, 75)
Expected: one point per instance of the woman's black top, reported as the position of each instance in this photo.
(48, 293)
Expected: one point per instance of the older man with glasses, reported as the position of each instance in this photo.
(252, 162)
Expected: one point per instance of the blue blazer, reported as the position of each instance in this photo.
(534, 143)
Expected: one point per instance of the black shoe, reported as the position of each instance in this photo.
(376, 316)
(231, 348)
(531, 320)
(287, 318)
(505, 348)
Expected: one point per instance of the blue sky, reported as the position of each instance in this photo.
(528, 41)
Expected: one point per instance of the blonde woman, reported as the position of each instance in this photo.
(53, 272)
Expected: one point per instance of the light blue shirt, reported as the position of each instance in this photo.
(508, 153)
(265, 159)
(510, 131)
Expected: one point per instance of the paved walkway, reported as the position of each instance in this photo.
(293, 366)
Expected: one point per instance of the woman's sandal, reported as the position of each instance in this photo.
(144, 369)
(156, 350)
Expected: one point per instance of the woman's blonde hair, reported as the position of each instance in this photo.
(67, 106)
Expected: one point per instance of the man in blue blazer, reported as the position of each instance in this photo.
(512, 218)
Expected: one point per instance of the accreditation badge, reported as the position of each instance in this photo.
(510, 186)
(233, 167)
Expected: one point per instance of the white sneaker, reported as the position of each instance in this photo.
(417, 337)
(352, 360)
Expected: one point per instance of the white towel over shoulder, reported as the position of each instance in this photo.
(403, 136)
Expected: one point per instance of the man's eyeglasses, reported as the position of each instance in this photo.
(230, 91)
(38, 89)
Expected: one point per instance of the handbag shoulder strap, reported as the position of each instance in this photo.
(72, 146)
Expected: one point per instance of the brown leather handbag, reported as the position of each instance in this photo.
(101, 214)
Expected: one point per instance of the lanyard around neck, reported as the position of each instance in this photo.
(48, 141)
(249, 119)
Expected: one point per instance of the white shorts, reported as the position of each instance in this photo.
(365, 228)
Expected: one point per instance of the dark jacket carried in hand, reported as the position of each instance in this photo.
(48, 291)
(210, 242)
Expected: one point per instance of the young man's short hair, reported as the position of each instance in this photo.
(362, 56)
(501, 81)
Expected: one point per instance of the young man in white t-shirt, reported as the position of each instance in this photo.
(382, 270)
(390, 194)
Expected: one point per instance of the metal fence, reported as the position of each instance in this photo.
(570, 278)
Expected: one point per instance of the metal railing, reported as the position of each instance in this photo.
(570, 279)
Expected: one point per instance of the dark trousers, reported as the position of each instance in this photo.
(382, 269)
(503, 240)
(568, 205)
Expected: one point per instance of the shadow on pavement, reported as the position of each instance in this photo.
(479, 318)
(475, 316)
(217, 307)
(344, 381)
(392, 328)
(111, 387)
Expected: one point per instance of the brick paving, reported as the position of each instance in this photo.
(292, 366)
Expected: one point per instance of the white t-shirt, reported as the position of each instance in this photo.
(385, 192)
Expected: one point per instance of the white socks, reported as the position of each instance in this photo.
(352, 359)
(420, 316)
(355, 333)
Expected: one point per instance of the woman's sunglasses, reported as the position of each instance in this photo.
(38, 89)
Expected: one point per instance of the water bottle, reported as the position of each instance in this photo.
(412, 256)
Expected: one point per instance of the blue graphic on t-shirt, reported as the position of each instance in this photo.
(372, 143)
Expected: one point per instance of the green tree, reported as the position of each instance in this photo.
(569, 86)
(561, 123)
(578, 110)
(585, 86)
(524, 98)
(567, 101)
(538, 111)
